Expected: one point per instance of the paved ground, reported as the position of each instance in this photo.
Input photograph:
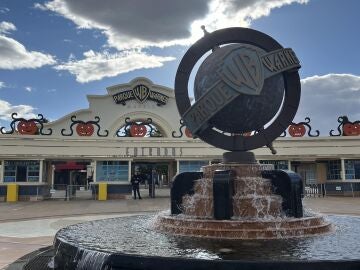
(28, 226)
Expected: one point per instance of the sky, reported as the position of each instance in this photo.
(55, 52)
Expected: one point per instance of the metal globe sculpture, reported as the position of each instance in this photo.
(247, 80)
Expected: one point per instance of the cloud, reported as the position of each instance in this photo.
(6, 109)
(128, 24)
(2, 85)
(28, 88)
(96, 66)
(14, 55)
(6, 27)
(4, 10)
(325, 98)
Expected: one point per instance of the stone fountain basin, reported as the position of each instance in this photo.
(132, 243)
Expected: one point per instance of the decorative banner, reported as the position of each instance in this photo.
(84, 128)
(141, 93)
(138, 129)
(347, 128)
(27, 127)
(299, 129)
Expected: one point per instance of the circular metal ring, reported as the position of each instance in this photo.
(245, 36)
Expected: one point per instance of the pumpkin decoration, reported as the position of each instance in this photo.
(351, 129)
(138, 130)
(297, 130)
(27, 127)
(84, 129)
(188, 133)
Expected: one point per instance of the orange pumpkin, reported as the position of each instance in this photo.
(351, 129)
(138, 130)
(85, 129)
(188, 133)
(297, 130)
(27, 127)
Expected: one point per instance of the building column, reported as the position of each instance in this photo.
(289, 165)
(2, 169)
(342, 172)
(177, 166)
(129, 170)
(41, 171)
(52, 176)
(93, 164)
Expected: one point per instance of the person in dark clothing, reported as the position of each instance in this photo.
(135, 182)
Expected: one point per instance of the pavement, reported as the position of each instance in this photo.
(29, 226)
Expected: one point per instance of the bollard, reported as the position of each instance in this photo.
(12, 194)
(102, 192)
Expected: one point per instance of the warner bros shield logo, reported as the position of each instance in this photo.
(141, 92)
(242, 70)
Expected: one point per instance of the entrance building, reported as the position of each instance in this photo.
(136, 126)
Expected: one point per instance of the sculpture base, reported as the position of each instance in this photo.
(243, 229)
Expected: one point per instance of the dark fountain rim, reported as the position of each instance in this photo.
(131, 261)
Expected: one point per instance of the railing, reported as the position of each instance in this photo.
(315, 190)
(73, 192)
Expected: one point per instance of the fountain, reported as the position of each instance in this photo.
(237, 214)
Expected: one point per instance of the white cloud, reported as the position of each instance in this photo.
(325, 98)
(4, 10)
(28, 88)
(14, 55)
(6, 109)
(96, 66)
(2, 85)
(6, 27)
(128, 24)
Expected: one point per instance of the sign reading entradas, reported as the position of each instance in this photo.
(141, 93)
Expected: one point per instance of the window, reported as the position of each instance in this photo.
(192, 165)
(21, 171)
(333, 169)
(112, 170)
(352, 169)
(278, 164)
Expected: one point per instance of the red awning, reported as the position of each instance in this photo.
(70, 166)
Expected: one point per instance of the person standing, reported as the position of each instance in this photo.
(135, 182)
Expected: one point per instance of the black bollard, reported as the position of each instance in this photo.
(289, 185)
(223, 192)
(182, 184)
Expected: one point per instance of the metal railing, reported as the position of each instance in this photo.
(73, 192)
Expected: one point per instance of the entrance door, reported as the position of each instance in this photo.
(21, 173)
(146, 168)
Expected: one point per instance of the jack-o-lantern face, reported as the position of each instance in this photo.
(27, 127)
(297, 130)
(351, 129)
(188, 133)
(138, 130)
(85, 129)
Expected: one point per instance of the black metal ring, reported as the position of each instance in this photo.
(246, 36)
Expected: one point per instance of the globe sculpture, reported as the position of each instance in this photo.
(238, 89)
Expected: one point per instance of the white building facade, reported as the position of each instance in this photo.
(136, 126)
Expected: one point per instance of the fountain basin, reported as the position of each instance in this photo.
(132, 243)
(243, 229)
